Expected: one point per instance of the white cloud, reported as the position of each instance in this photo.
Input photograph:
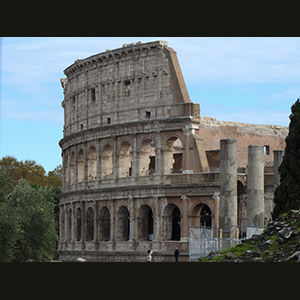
(32, 67)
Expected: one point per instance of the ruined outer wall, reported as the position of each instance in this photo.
(131, 146)
(135, 82)
(212, 131)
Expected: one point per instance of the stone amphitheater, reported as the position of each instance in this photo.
(140, 166)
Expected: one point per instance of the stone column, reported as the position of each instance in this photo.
(278, 156)
(255, 186)
(228, 184)
(184, 220)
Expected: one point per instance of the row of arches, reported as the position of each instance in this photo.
(122, 162)
(145, 224)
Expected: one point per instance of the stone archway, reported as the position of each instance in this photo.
(125, 160)
(78, 224)
(145, 224)
(201, 215)
(89, 224)
(173, 156)
(147, 158)
(171, 223)
(123, 224)
(104, 232)
(92, 164)
(107, 161)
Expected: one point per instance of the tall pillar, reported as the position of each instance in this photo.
(228, 184)
(278, 156)
(255, 186)
(184, 220)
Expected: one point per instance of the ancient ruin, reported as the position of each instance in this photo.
(140, 166)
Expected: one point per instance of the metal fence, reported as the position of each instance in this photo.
(203, 240)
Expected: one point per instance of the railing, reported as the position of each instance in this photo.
(203, 240)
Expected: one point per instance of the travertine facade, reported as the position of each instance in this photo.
(137, 169)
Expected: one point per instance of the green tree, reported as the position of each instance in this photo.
(8, 224)
(28, 227)
(287, 194)
(54, 178)
(33, 172)
(28, 169)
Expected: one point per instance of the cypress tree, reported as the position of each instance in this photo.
(287, 194)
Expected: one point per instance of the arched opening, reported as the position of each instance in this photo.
(80, 166)
(147, 158)
(201, 216)
(107, 161)
(173, 156)
(89, 224)
(62, 223)
(66, 167)
(205, 220)
(123, 224)
(78, 224)
(104, 232)
(72, 168)
(125, 160)
(69, 225)
(171, 223)
(92, 164)
(145, 225)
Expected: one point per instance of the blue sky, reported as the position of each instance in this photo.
(250, 80)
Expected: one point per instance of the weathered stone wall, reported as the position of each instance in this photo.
(131, 153)
(132, 83)
(270, 136)
(139, 167)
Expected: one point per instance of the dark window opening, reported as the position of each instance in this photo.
(151, 167)
(93, 94)
(130, 170)
(177, 163)
(148, 114)
(108, 120)
(266, 150)
(205, 215)
(78, 224)
(176, 224)
(74, 102)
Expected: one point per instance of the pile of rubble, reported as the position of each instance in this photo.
(280, 242)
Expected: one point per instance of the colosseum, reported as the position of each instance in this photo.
(140, 166)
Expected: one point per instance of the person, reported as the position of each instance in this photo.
(176, 254)
(149, 255)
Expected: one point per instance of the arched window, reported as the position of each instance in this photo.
(205, 216)
(145, 224)
(201, 216)
(69, 225)
(104, 231)
(107, 161)
(89, 224)
(173, 156)
(147, 158)
(125, 160)
(171, 222)
(92, 164)
(78, 224)
(72, 168)
(80, 166)
(123, 224)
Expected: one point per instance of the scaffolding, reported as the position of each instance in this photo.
(203, 240)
